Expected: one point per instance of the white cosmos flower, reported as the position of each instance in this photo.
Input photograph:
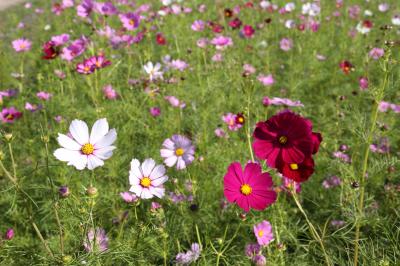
(147, 179)
(153, 71)
(81, 150)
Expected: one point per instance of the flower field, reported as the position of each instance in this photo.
(172, 132)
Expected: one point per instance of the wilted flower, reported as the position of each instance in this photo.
(96, 241)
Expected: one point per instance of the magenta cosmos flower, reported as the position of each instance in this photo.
(221, 42)
(21, 45)
(285, 136)
(178, 150)
(130, 20)
(263, 232)
(9, 115)
(249, 188)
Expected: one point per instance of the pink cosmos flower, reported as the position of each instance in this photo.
(217, 57)
(33, 107)
(177, 150)
(331, 182)
(198, 25)
(59, 40)
(9, 115)
(85, 67)
(109, 92)
(175, 102)
(342, 156)
(249, 188)
(96, 240)
(286, 44)
(263, 232)
(85, 8)
(266, 80)
(384, 106)
(178, 65)
(9, 234)
(128, 197)
(106, 8)
(147, 179)
(376, 53)
(67, 3)
(230, 120)
(22, 45)
(130, 20)
(288, 184)
(155, 111)
(220, 133)
(363, 83)
(281, 101)
(44, 95)
(74, 50)
(249, 69)
(202, 42)
(222, 42)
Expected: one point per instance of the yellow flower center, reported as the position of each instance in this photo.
(86, 69)
(282, 139)
(294, 166)
(87, 149)
(179, 152)
(246, 189)
(260, 233)
(132, 22)
(240, 119)
(145, 182)
(22, 46)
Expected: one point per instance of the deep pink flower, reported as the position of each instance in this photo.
(249, 188)
(285, 136)
(130, 20)
(9, 234)
(9, 115)
(44, 95)
(363, 83)
(155, 111)
(247, 31)
(222, 42)
(86, 67)
(263, 232)
(109, 92)
(85, 8)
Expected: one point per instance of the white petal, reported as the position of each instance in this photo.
(99, 130)
(107, 140)
(135, 173)
(148, 166)
(79, 162)
(169, 144)
(157, 191)
(166, 153)
(68, 143)
(104, 153)
(137, 189)
(94, 162)
(157, 172)
(146, 194)
(79, 130)
(66, 155)
(159, 181)
(170, 161)
(180, 164)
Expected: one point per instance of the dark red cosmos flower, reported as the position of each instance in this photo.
(346, 66)
(367, 24)
(236, 23)
(286, 136)
(297, 172)
(50, 50)
(160, 39)
(239, 119)
(228, 12)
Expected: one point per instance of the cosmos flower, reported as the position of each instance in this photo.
(222, 42)
(179, 65)
(286, 44)
(86, 67)
(128, 197)
(363, 83)
(155, 111)
(235, 23)
(198, 25)
(376, 53)
(331, 182)
(9, 234)
(61, 39)
(285, 136)
(263, 232)
(160, 39)
(96, 241)
(44, 95)
(364, 27)
(81, 150)
(249, 188)
(154, 71)
(147, 179)
(346, 66)
(281, 101)
(298, 172)
(130, 21)
(266, 80)
(21, 45)
(177, 150)
(247, 31)
(109, 92)
(85, 8)
(9, 115)
(106, 8)
(231, 120)
(50, 50)
(175, 102)
(186, 258)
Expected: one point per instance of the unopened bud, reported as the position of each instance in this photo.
(91, 191)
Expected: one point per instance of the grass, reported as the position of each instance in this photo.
(35, 210)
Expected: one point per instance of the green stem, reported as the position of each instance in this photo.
(311, 226)
(378, 98)
(12, 161)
